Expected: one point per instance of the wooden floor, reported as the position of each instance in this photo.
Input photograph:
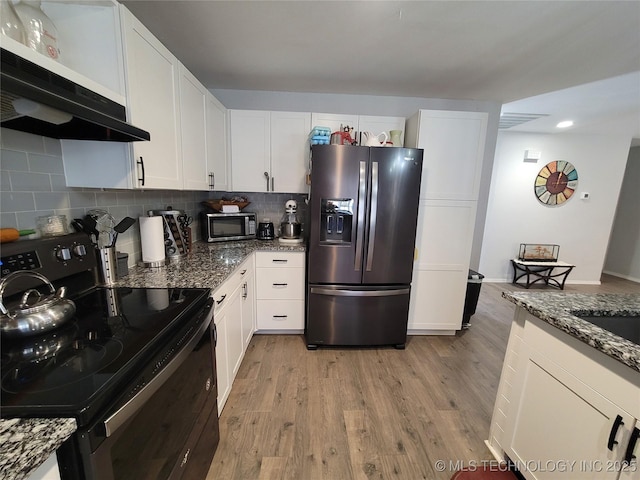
(341, 414)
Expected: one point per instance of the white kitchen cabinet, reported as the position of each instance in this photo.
(289, 151)
(233, 327)
(453, 144)
(559, 401)
(378, 124)
(89, 38)
(280, 292)
(152, 74)
(48, 470)
(269, 150)
(152, 97)
(335, 121)
(218, 168)
(193, 131)
(248, 313)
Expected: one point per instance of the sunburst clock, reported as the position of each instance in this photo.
(556, 182)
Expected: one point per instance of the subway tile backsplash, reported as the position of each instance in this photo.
(32, 184)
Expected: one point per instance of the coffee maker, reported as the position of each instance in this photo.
(290, 226)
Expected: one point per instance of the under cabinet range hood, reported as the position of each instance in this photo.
(38, 101)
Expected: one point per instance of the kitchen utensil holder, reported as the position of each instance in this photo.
(107, 262)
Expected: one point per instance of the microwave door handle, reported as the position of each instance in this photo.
(374, 215)
(362, 192)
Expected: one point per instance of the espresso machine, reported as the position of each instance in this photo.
(290, 226)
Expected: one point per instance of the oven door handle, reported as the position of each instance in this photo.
(129, 409)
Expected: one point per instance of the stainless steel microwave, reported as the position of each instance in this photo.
(220, 227)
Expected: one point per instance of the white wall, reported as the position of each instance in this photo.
(623, 256)
(580, 227)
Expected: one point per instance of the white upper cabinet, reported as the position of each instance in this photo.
(376, 125)
(250, 150)
(153, 97)
(289, 151)
(218, 170)
(193, 123)
(269, 150)
(453, 144)
(89, 39)
(335, 121)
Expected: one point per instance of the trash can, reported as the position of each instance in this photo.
(474, 283)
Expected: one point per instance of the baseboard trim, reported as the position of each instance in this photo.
(620, 275)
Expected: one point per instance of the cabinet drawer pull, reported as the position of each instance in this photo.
(617, 423)
(280, 316)
(221, 299)
(279, 284)
(243, 271)
(279, 260)
(629, 456)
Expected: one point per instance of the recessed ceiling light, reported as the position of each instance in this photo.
(565, 124)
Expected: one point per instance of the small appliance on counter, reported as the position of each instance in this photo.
(290, 227)
(266, 230)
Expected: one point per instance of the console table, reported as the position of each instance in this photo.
(551, 273)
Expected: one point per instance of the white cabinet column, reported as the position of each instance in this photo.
(453, 144)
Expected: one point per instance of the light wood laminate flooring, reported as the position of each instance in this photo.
(378, 413)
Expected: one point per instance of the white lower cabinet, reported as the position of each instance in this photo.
(280, 292)
(232, 330)
(47, 471)
(563, 410)
(248, 314)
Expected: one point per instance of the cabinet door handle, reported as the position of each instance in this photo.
(212, 180)
(141, 163)
(629, 456)
(273, 189)
(617, 423)
(221, 299)
(266, 175)
(245, 290)
(279, 284)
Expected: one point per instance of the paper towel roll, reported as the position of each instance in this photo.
(152, 239)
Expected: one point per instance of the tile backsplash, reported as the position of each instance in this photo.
(32, 184)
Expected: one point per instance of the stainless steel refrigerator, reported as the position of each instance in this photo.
(363, 212)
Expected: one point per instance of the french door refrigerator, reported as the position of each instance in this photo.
(362, 226)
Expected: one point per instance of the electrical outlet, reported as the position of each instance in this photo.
(584, 195)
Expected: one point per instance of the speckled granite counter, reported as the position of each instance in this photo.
(557, 309)
(26, 443)
(207, 266)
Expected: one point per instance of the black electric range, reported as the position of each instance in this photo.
(127, 356)
(74, 370)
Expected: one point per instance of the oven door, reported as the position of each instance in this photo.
(168, 430)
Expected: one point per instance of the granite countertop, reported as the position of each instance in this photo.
(26, 443)
(207, 266)
(557, 309)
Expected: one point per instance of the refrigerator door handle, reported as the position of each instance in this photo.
(362, 191)
(359, 293)
(373, 216)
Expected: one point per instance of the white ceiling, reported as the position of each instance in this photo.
(513, 52)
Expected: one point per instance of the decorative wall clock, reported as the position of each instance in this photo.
(556, 182)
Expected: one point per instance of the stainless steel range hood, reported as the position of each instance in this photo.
(38, 101)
